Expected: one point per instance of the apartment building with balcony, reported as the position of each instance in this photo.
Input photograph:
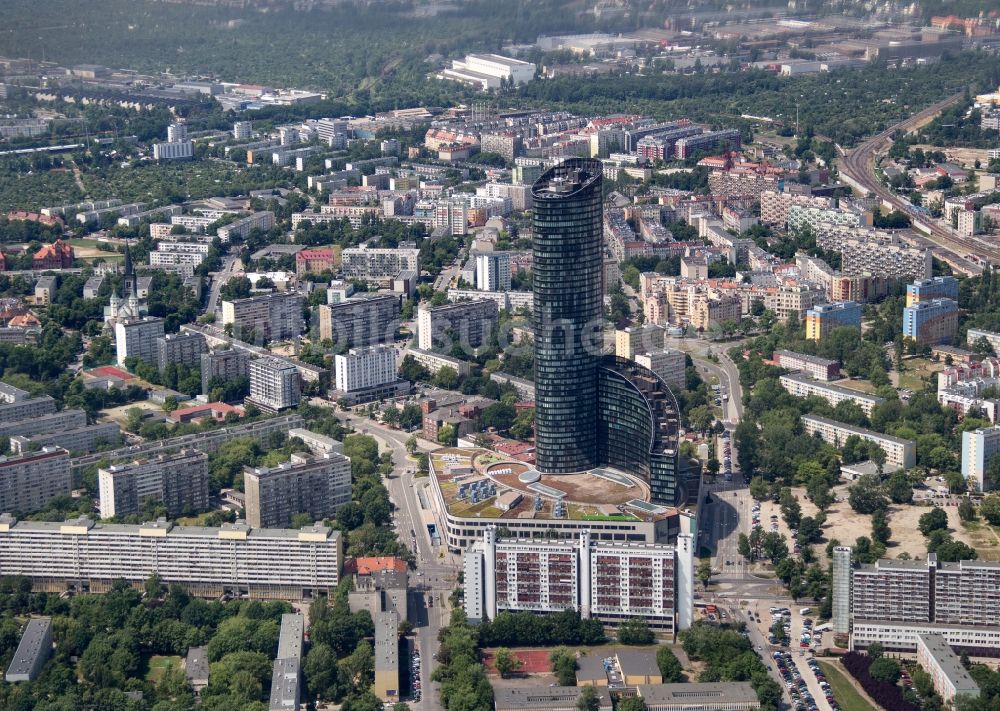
(611, 582)
(775, 206)
(83, 556)
(942, 287)
(273, 317)
(314, 484)
(468, 323)
(931, 322)
(892, 602)
(823, 318)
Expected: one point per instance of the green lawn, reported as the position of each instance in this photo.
(158, 665)
(843, 691)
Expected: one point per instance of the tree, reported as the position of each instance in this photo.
(670, 667)
(875, 650)
(898, 488)
(588, 700)
(447, 435)
(134, 417)
(634, 703)
(563, 666)
(320, 670)
(704, 572)
(791, 511)
(759, 488)
(499, 416)
(774, 546)
(154, 586)
(867, 495)
(880, 527)
(505, 662)
(884, 669)
(989, 507)
(743, 546)
(933, 520)
(635, 632)
(967, 510)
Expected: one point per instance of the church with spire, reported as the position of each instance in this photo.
(127, 306)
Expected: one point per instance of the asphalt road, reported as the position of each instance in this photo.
(437, 570)
(218, 279)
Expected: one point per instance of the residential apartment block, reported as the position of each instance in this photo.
(180, 349)
(669, 364)
(179, 257)
(362, 320)
(33, 650)
(493, 271)
(365, 368)
(942, 287)
(822, 319)
(136, 338)
(29, 481)
(901, 453)
(44, 424)
(809, 217)
(974, 335)
(245, 225)
(813, 366)
(612, 582)
(638, 339)
(774, 206)
(931, 322)
(224, 365)
(274, 317)
(86, 438)
(313, 484)
(945, 668)
(274, 385)
(379, 263)
(978, 449)
(803, 386)
(178, 480)
(235, 559)
(892, 602)
(468, 323)
(888, 261)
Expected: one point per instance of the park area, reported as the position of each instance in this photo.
(849, 698)
(158, 666)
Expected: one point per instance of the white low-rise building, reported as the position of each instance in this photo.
(898, 452)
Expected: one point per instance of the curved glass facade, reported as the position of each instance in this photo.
(568, 310)
(638, 425)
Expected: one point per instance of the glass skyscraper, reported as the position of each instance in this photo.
(567, 313)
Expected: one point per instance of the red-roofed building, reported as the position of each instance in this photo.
(106, 371)
(371, 565)
(216, 410)
(28, 320)
(313, 261)
(34, 217)
(57, 255)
